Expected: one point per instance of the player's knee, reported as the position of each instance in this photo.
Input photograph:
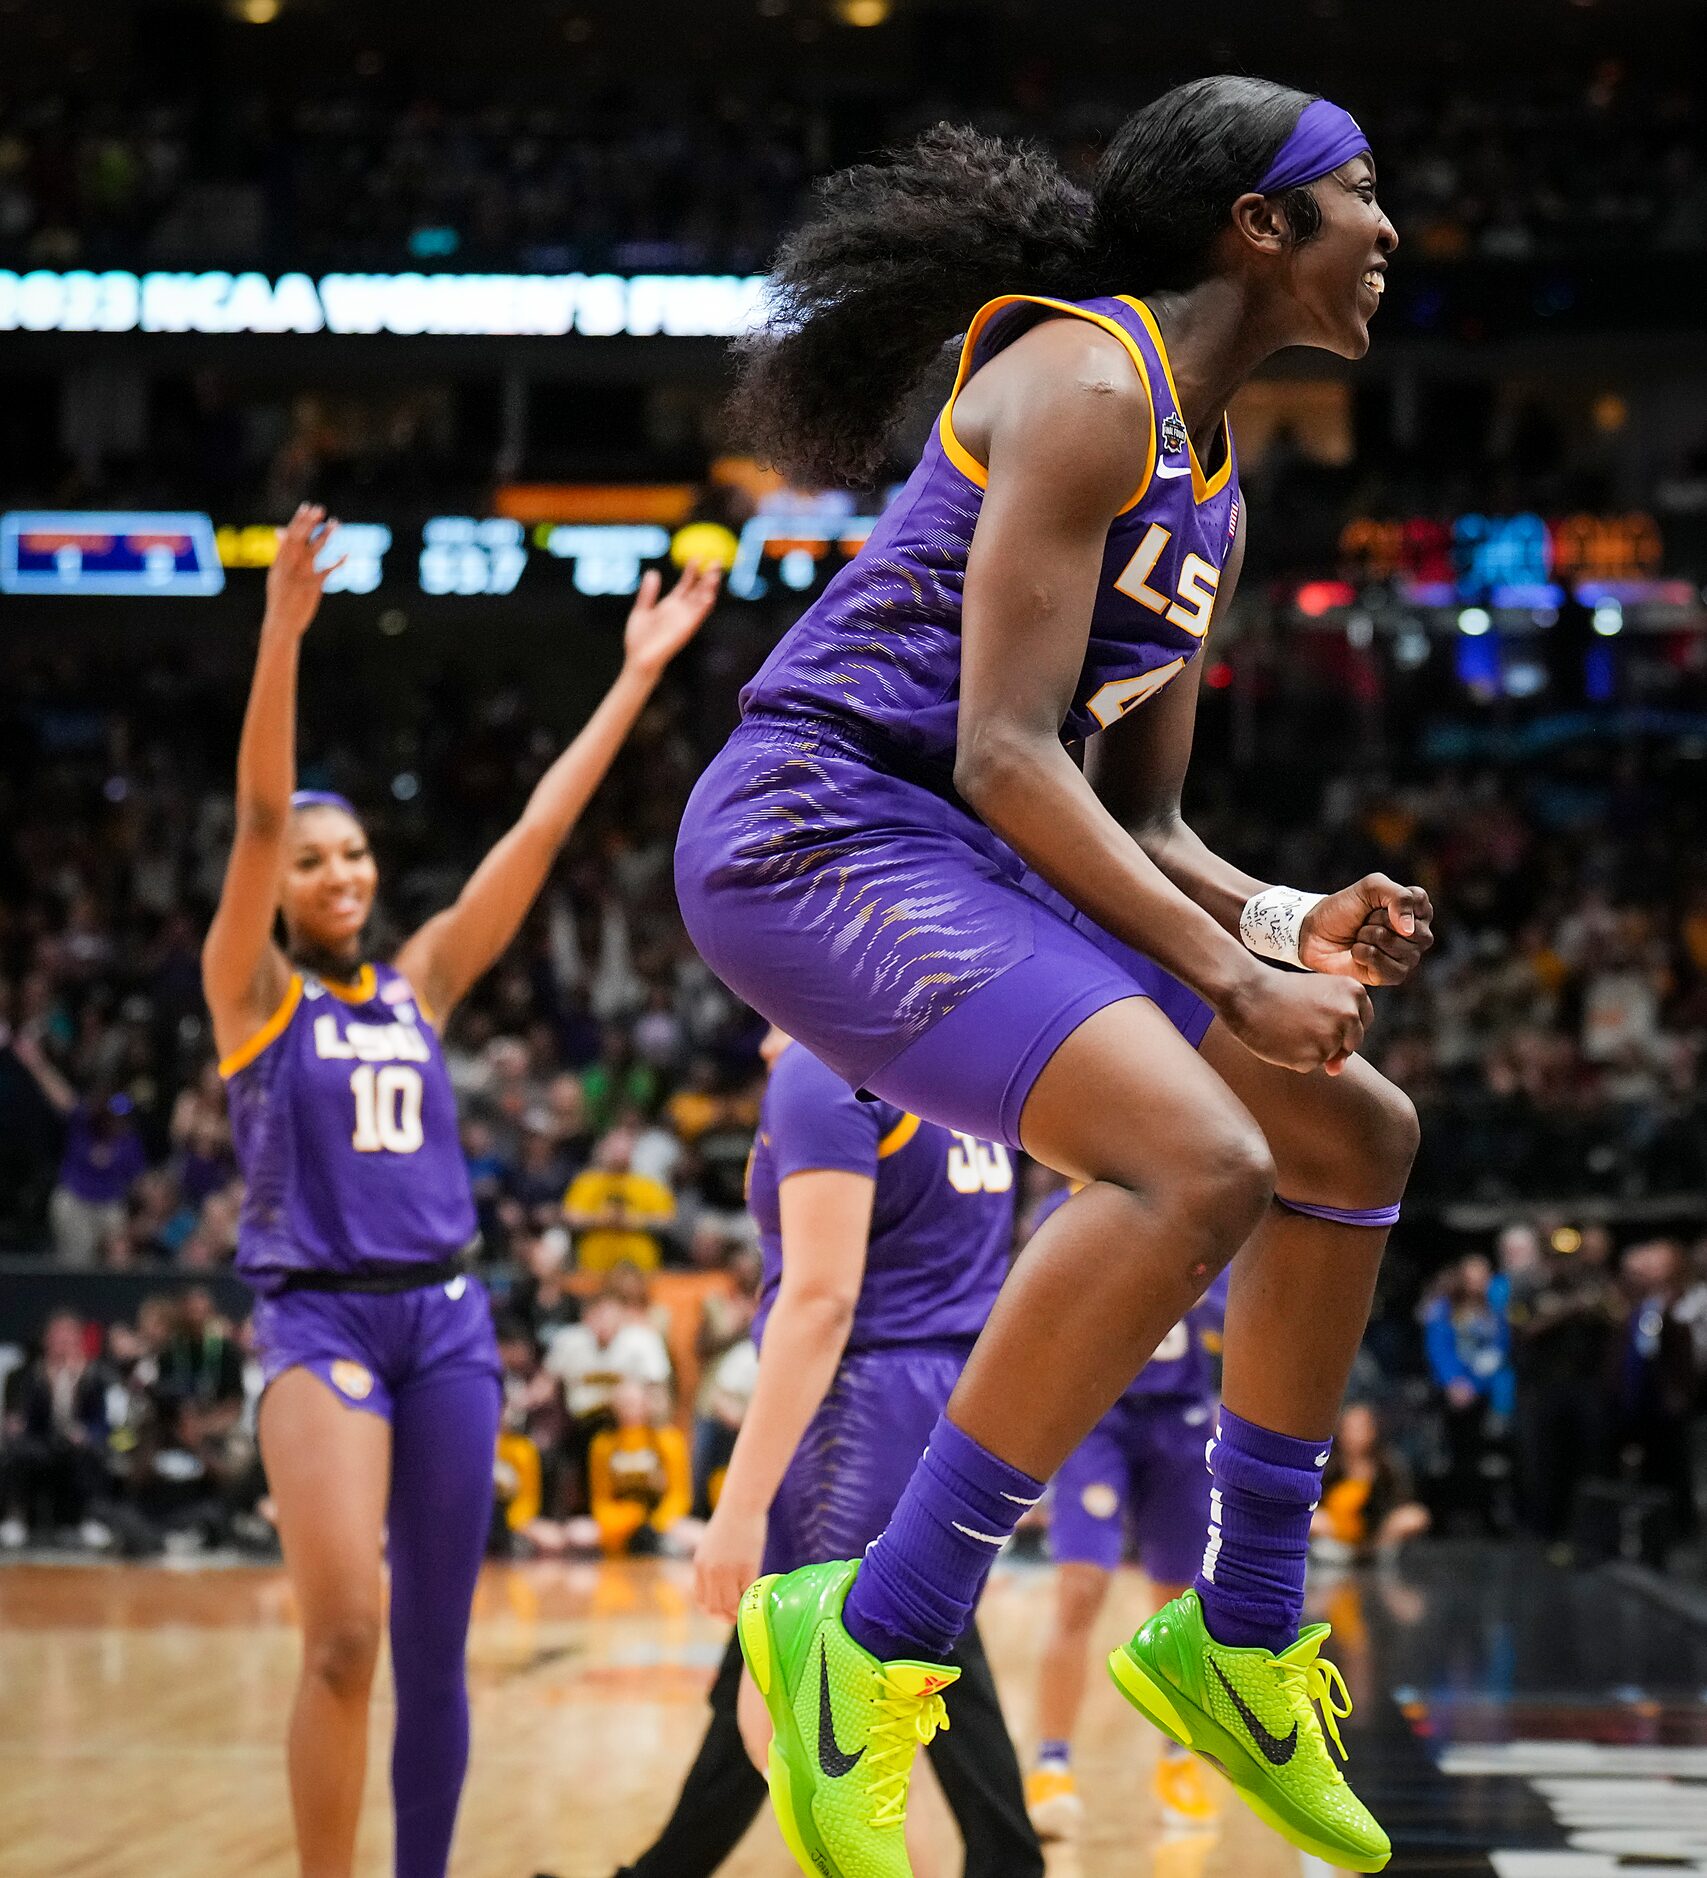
(1231, 1181)
(1392, 1136)
(342, 1651)
(1371, 1154)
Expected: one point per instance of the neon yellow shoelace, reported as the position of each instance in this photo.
(1320, 1682)
(906, 1723)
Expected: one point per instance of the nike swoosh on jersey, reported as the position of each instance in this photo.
(830, 1756)
(1277, 1750)
(1163, 470)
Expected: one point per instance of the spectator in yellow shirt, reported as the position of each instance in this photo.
(615, 1213)
(639, 1477)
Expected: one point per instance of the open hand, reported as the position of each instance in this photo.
(658, 629)
(1374, 931)
(294, 583)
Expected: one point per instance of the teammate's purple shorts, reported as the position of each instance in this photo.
(1139, 1472)
(859, 1451)
(865, 913)
(368, 1347)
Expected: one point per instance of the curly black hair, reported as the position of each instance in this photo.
(898, 256)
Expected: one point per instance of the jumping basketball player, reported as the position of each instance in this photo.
(860, 863)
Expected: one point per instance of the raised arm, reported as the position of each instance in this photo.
(826, 1224)
(26, 1047)
(1063, 425)
(1375, 930)
(244, 973)
(454, 947)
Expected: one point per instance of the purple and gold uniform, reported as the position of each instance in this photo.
(1140, 1473)
(826, 868)
(941, 1228)
(345, 1129)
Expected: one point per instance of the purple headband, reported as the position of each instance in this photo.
(323, 799)
(1323, 138)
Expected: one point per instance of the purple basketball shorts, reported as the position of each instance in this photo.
(368, 1347)
(1139, 1475)
(859, 911)
(859, 1451)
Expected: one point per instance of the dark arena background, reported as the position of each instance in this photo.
(469, 277)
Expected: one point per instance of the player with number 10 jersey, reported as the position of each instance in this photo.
(379, 1420)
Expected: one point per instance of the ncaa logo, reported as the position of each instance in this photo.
(1174, 435)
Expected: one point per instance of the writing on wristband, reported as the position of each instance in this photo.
(1273, 920)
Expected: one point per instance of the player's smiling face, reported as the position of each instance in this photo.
(326, 894)
(1339, 274)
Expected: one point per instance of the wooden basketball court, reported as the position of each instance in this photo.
(142, 1714)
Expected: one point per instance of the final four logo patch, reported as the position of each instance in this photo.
(1174, 436)
(352, 1380)
(1100, 1500)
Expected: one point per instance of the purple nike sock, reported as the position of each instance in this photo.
(921, 1577)
(1251, 1583)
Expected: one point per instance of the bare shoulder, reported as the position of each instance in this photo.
(1065, 403)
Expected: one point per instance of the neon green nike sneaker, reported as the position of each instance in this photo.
(1253, 1714)
(846, 1727)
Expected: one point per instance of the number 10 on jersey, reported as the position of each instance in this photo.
(388, 1109)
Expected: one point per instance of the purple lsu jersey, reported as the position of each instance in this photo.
(942, 1216)
(1183, 1366)
(345, 1128)
(882, 644)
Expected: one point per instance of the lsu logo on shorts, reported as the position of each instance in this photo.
(1100, 1500)
(352, 1380)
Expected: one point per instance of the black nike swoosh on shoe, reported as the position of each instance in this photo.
(830, 1756)
(1277, 1750)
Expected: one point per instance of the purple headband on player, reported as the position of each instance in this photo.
(1323, 138)
(323, 799)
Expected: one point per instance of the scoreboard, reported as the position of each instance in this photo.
(598, 542)
(452, 556)
(168, 554)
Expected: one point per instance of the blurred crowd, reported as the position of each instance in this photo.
(609, 1091)
(1563, 1389)
(137, 1436)
(141, 1436)
(1541, 163)
(609, 1085)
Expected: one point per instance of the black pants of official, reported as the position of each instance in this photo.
(50, 1481)
(974, 1761)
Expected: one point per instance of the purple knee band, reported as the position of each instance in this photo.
(1344, 1215)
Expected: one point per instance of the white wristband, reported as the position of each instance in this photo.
(1272, 920)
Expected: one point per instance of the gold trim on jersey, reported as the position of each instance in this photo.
(1202, 487)
(367, 983)
(963, 459)
(270, 1031)
(898, 1137)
